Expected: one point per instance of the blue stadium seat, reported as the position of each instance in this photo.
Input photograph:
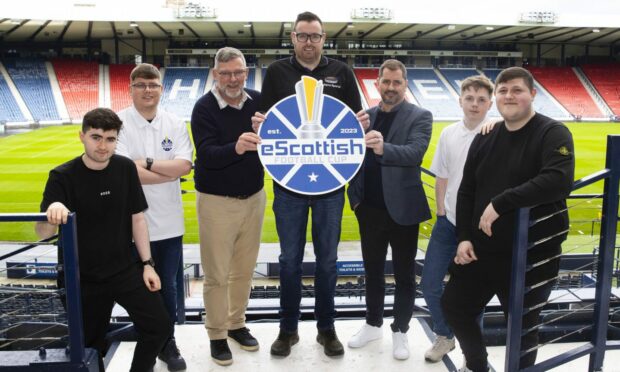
(432, 94)
(9, 111)
(251, 80)
(182, 88)
(32, 82)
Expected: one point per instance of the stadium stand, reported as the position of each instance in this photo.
(433, 94)
(79, 84)
(543, 103)
(182, 88)
(606, 80)
(31, 79)
(9, 110)
(454, 76)
(119, 86)
(250, 82)
(367, 78)
(564, 85)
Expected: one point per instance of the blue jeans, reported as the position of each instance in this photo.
(167, 256)
(439, 254)
(291, 214)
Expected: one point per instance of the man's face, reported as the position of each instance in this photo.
(475, 104)
(514, 99)
(308, 51)
(392, 86)
(99, 146)
(145, 93)
(230, 78)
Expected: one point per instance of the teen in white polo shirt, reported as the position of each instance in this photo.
(158, 142)
(448, 162)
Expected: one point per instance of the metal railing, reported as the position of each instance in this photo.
(605, 265)
(79, 357)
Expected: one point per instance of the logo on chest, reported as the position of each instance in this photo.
(105, 193)
(166, 144)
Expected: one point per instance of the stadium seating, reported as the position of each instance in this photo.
(542, 103)
(606, 80)
(250, 82)
(367, 78)
(433, 94)
(455, 76)
(9, 111)
(564, 85)
(119, 86)
(79, 84)
(182, 88)
(31, 79)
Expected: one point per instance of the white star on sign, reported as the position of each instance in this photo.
(313, 177)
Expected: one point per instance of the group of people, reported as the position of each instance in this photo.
(125, 190)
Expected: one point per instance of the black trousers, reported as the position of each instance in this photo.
(146, 310)
(377, 229)
(473, 285)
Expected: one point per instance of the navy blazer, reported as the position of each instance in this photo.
(403, 151)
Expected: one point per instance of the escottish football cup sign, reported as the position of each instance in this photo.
(311, 143)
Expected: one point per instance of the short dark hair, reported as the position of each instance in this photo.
(101, 118)
(393, 65)
(307, 17)
(145, 71)
(515, 73)
(477, 82)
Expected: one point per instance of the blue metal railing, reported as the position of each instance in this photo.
(68, 236)
(598, 345)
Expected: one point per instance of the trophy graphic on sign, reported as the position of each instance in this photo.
(310, 103)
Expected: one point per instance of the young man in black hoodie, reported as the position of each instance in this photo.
(526, 161)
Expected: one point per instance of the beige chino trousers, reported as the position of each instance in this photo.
(230, 233)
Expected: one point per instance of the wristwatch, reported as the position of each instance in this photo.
(149, 163)
(149, 262)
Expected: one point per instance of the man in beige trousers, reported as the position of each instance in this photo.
(228, 177)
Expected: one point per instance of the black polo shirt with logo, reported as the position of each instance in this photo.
(338, 82)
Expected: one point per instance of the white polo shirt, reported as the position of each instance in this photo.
(165, 138)
(449, 160)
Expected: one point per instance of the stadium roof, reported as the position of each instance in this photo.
(486, 21)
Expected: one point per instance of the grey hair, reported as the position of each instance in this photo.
(227, 54)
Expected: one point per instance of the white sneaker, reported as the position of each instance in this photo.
(441, 347)
(464, 367)
(400, 345)
(366, 334)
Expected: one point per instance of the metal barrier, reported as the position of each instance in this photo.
(598, 345)
(79, 358)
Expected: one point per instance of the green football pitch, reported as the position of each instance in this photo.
(26, 159)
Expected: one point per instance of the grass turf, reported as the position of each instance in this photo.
(26, 159)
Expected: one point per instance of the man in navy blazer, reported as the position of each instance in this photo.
(389, 203)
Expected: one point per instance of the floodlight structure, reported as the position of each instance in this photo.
(195, 9)
(372, 13)
(544, 17)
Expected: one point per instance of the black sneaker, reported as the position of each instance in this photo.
(244, 338)
(331, 344)
(220, 352)
(171, 355)
(282, 345)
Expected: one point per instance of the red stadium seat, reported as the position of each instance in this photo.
(566, 88)
(79, 84)
(606, 80)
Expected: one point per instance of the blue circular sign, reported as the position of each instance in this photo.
(311, 143)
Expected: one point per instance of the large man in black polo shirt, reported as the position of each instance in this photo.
(291, 209)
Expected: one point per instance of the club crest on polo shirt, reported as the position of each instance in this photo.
(312, 143)
(166, 144)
